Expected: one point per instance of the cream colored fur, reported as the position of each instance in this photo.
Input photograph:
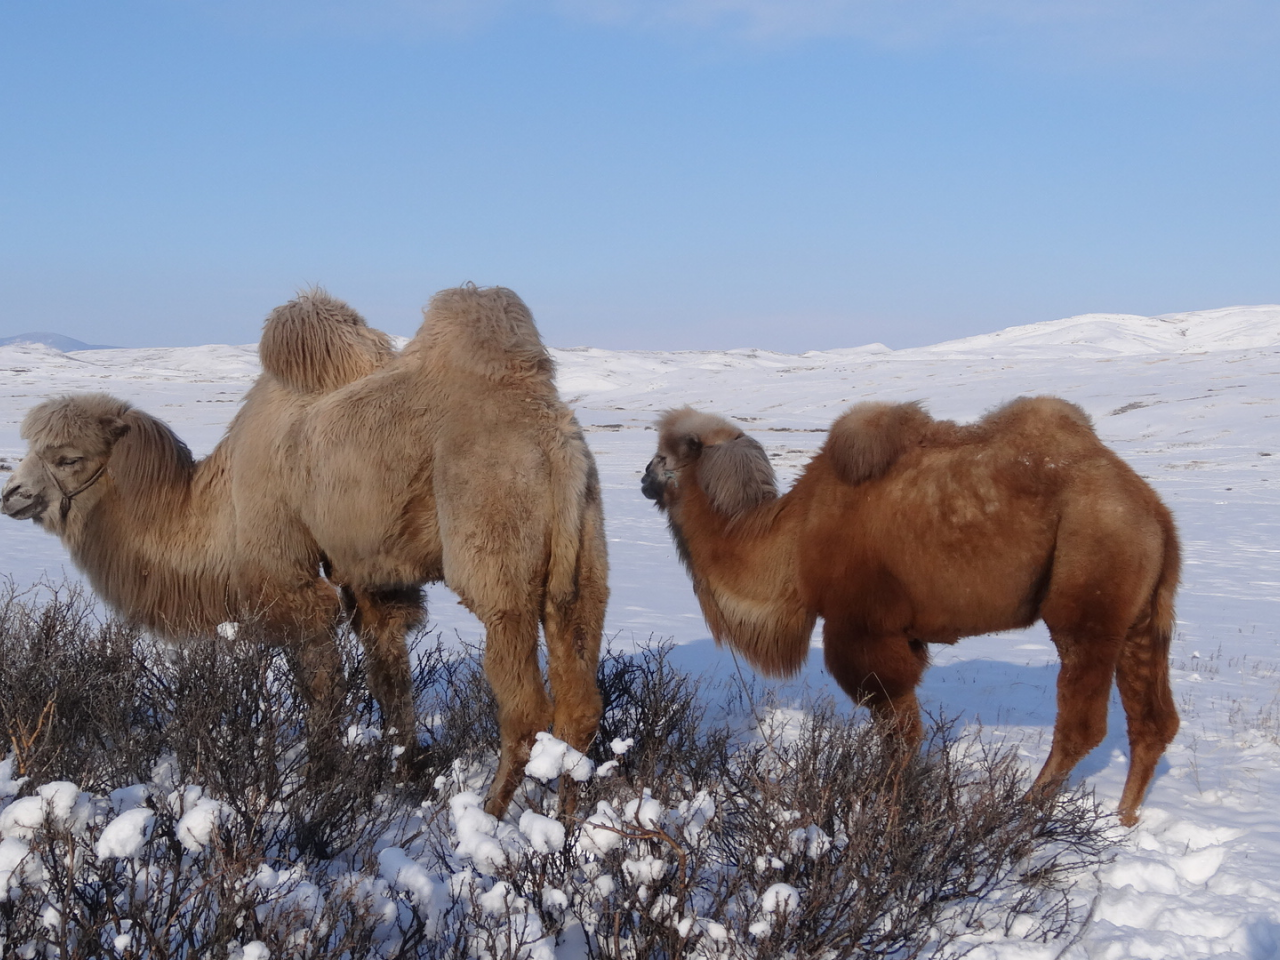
(442, 463)
(488, 486)
(316, 343)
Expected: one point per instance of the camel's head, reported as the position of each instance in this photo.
(698, 448)
(70, 441)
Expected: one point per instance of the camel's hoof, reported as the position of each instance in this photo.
(418, 762)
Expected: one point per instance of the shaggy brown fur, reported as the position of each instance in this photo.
(442, 463)
(869, 438)
(316, 343)
(905, 531)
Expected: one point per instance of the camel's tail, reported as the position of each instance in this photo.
(576, 496)
(577, 590)
(1162, 615)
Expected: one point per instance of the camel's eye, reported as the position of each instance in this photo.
(69, 461)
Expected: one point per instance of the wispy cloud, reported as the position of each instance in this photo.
(1173, 31)
(408, 18)
(1141, 28)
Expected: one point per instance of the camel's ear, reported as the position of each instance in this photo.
(114, 427)
(687, 448)
(736, 475)
(870, 437)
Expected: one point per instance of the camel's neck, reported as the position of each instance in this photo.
(155, 543)
(744, 572)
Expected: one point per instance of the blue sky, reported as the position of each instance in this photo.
(651, 174)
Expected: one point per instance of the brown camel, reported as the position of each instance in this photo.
(453, 461)
(905, 531)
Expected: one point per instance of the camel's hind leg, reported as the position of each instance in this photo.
(574, 627)
(882, 673)
(1108, 599)
(573, 630)
(1084, 687)
(511, 665)
(1143, 677)
(382, 619)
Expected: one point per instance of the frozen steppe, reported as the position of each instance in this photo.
(1187, 399)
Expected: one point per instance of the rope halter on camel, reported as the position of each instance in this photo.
(67, 497)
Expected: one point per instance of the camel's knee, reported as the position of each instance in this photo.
(1082, 733)
(899, 717)
(577, 717)
(318, 663)
(1080, 726)
(1151, 723)
(881, 674)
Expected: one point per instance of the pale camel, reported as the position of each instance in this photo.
(453, 461)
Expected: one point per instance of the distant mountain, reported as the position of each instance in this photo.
(55, 340)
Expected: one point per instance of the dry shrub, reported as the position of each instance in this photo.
(803, 837)
(888, 856)
(68, 708)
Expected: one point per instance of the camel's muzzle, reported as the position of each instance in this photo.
(654, 482)
(23, 505)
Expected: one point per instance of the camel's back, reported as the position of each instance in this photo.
(1034, 453)
(974, 515)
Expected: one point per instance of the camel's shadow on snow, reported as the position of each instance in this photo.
(1017, 700)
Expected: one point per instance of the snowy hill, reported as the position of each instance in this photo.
(1110, 334)
(1191, 400)
(55, 340)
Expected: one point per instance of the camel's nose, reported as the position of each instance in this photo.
(17, 502)
(11, 491)
(651, 486)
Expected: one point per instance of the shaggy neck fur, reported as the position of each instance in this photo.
(148, 540)
(744, 573)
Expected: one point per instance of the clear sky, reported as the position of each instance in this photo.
(653, 174)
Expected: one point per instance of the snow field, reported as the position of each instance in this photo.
(1191, 401)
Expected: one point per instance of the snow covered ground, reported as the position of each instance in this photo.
(1188, 399)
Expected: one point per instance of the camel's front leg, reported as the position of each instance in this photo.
(317, 664)
(382, 619)
(573, 660)
(882, 673)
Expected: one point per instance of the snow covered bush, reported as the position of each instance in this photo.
(160, 803)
